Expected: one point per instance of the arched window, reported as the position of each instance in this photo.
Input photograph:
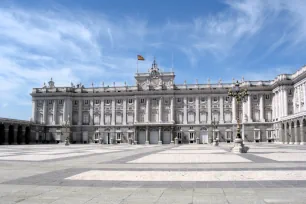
(118, 118)
(191, 117)
(96, 119)
(108, 118)
(203, 117)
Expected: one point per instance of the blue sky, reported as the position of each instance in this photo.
(97, 41)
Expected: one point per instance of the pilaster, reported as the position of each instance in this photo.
(185, 110)
(113, 112)
(197, 107)
(172, 109)
(45, 112)
(261, 108)
(221, 110)
(102, 112)
(148, 110)
(34, 107)
(80, 111)
(250, 109)
(91, 113)
(209, 110)
(136, 110)
(54, 112)
(124, 112)
(160, 114)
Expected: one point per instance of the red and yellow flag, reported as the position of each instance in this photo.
(139, 57)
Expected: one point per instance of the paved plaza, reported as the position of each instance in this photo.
(94, 173)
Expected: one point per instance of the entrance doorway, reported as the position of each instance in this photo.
(204, 136)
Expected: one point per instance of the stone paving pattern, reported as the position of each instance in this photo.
(94, 173)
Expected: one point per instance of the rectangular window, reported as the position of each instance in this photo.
(60, 102)
(190, 100)
(215, 99)
(142, 100)
(130, 100)
(179, 135)
(86, 102)
(50, 101)
(108, 102)
(179, 100)
(191, 136)
(97, 101)
(118, 136)
(119, 101)
(86, 119)
(202, 99)
(267, 96)
(75, 102)
(227, 99)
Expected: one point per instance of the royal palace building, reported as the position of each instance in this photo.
(156, 110)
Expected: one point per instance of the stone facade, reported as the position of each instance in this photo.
(156, 111)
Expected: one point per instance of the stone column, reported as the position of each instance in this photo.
(102, 112)
(273, 106)
(281, 103)
(302, 135)
(113, 122)
(185, 110)
(160, 109)
(64, 110)
(135, 135)
(45, 112)
(147, 135)
(70, 110)
(250, 109)
(299, 98)
(91, 113)
(197, 106)
(136, 110)
(148, 109)
(285, 102)
(285, 134)
(221, 110)
(159, 136)
(261, 108)
(276, 105)
(80, 111)
(296, 140)
(124, 112)
(291, 135)
(234, 111)
(54, 112)
(281, 135)
(172, 109)
(34, 107)
(209, 110)
(304, 88)
(6, 134)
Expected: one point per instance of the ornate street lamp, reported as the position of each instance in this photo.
(239, 95)
(215, 126)
(66, 125)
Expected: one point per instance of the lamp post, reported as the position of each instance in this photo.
(215, 126)
(66, 125)
(239, 95)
